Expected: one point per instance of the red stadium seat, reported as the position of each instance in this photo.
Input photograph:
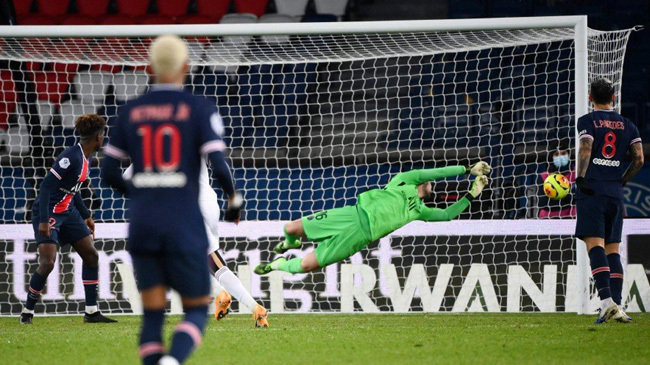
(133, 8)
(198, 19)
(214, 9)
(173, 8)
(51, 86)
(69, 69)
(22, 6)
(118, 20)
(157, 19)
(53, 7)
(257, 7)
(78, 20)
(36, 20)
(92, 7)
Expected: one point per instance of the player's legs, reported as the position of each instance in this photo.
(90, 278)
(154, 300)
(293, 232)
(195, 294)
(46, 258)
(613, 235)
(590, 227)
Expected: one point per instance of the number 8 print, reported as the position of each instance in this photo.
(610, 140)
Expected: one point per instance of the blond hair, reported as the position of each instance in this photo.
(168, 53)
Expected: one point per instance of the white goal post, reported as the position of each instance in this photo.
(316, 113)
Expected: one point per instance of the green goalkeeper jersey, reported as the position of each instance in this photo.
(398, 203)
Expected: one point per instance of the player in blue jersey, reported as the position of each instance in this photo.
(605, 139)
(60, 217)
(165, 133)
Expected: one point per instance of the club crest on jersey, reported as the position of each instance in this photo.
(64, 163)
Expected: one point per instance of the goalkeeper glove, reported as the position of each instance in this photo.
(582, 185)
(478, 169)
(477, 187)
(235, 203)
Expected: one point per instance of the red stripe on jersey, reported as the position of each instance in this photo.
(84, 171)
(63, 205)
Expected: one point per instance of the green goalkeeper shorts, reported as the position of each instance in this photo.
(340, 233)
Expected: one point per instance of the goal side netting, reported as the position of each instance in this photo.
(312, 119)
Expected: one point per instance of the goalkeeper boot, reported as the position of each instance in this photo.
(259, 315)
(26, 318)
(97, 317)
(605, 314)
(222, 305)
(621, 316)
(285, 246)
(263, 269)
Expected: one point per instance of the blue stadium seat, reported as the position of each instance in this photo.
(467, 9)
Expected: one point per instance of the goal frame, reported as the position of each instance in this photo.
(578, 23)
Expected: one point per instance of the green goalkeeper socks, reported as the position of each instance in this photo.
(290, 241)
(292, 266)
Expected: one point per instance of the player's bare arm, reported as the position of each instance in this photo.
(584, 153)
(637, 162)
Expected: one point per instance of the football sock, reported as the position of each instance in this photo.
(615, 277)
(89, 275)
(290, 240)
(291, 266)
(36, 285)
(233, 285)
(600, 271)
(151, 346)
(189, 333)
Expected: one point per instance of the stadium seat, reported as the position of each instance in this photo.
(291, 7)
(157, 19)
(276, 18)
(197, 19)
(7, 97)
(214, 9)
(92, 7)
(336, 7)
(130, 85)
(78, 20)
(71, 109)
(46, 112)
(118, 20)
(257, 7)
(225, 56)
(132, 8)
(173, 8)
(91, 86)
(319, 18)
(53, 7)
(242, 18)
(22, 7)
(51, 86)
(18, 140)
(36, 19)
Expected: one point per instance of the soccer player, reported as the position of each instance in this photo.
(165, 132)
(342, 232)
(209, 205)
(605, 138)
(60, 217)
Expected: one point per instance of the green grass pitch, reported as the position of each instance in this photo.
(344, 339)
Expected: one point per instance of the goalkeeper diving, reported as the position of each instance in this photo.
(342, 232)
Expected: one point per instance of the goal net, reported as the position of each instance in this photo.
(316, 114)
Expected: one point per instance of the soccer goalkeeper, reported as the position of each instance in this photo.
(342, 232)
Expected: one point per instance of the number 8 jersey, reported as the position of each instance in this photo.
(612, 135)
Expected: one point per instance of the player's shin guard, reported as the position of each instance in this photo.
(189, 333)
(36, 285)
(90, 278)
(234, 287)
(151, 346)
(615, 277)
(291, 266)
(600, 271)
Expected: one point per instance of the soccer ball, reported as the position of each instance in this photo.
(556, 186)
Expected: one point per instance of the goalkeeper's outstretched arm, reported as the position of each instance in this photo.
(454, 210)
(417, 177)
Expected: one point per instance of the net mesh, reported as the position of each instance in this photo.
(312, 121)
